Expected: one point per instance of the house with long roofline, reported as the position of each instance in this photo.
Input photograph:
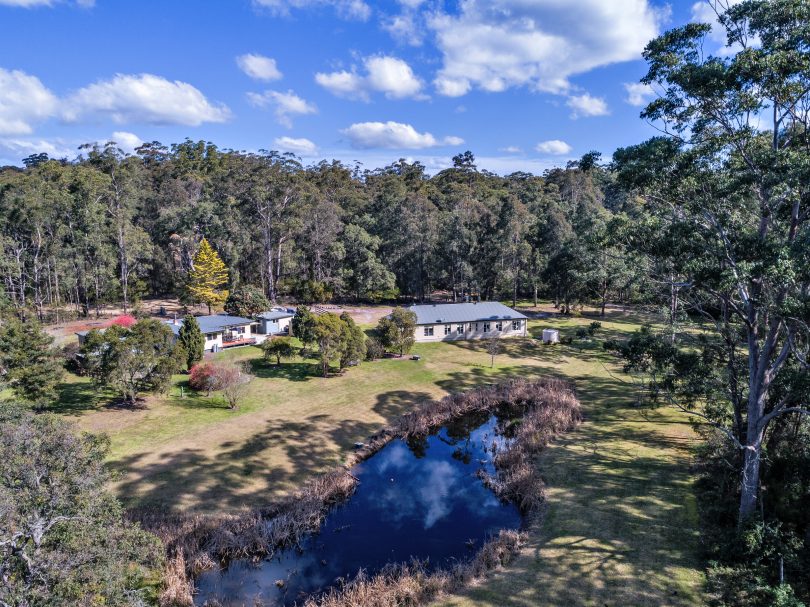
(475, 320)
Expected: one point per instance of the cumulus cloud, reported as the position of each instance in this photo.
(497, 44)
(356, 10)
(587, 105)
(638, 94)
(24, 100)
(384, 74)
(127, 141)
(296, 146)
(286, 105)
(553, 146)
(144, 98)
(258, 67)
(393, 135)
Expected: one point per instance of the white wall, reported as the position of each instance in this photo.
(469, 331)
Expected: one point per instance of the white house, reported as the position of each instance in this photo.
(277, 321)
(224, 331)
(478, 320)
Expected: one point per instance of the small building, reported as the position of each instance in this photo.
(478, 320)
(277, 321)
(223, 331)
(551, 336)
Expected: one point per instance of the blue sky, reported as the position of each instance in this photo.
(524, 84)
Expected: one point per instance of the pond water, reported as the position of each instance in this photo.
(419, 499)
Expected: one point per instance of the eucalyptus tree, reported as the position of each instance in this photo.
(271, 196)
(728, 187)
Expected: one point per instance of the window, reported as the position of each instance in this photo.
(460, 329)
(240, 330)
(499, 326)
(428, 331)
(210, 336)
(486, 327)
(447, 329)
(516, 325)
(476, 327)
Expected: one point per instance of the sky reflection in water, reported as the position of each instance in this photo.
(419, 500)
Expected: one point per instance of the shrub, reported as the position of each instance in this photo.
(581, 332)
(374, 349)
(594, 327)
(202, 378)
(125, 320)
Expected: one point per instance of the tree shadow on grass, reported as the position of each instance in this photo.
(274, 460)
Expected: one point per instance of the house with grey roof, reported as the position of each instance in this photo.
(277, 321)
(476, 320)
(224, 331)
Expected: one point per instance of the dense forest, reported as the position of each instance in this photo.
(706, 225)
(111, 228)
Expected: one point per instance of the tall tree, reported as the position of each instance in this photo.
(734, 198)
(192, 340)
(63, 536)
(328, 333)
(208, 277)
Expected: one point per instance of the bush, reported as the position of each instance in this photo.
(202, 378)
(374, 349)
(582, 333)
(594, 327)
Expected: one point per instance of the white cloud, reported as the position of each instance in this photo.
(638, 94)
(356, 10)
(342, 84)
(553, 146)
(286, 105)
(258, 67)
(35, 3)
(393, 135)
(127, 141)
(144, 98)
(296, 146)
(24, 100)
(510, 149)
(703, 12)
(587, 105)
(13, 150)
(384, 74)
(498, 44)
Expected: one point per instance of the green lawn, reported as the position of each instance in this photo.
(620, 527)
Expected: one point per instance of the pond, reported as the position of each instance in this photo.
(418, 499)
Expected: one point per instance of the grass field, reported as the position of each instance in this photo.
(620, 527)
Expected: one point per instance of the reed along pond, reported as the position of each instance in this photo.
(419, 499)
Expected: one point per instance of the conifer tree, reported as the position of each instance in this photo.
(29, 364)
(208, 277)
(191, 338)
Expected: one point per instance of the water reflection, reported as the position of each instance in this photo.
(420, 499)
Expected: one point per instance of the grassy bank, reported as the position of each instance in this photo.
(620, 526)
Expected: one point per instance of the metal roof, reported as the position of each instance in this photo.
(276, 314)
(214, 323)
(429, 314)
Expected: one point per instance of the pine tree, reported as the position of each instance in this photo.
(29, 364)
(208, 277)
(191, 338)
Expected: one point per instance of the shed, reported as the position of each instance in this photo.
(551, 336)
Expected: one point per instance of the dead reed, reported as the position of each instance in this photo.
(194, 543)
(411, 584)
